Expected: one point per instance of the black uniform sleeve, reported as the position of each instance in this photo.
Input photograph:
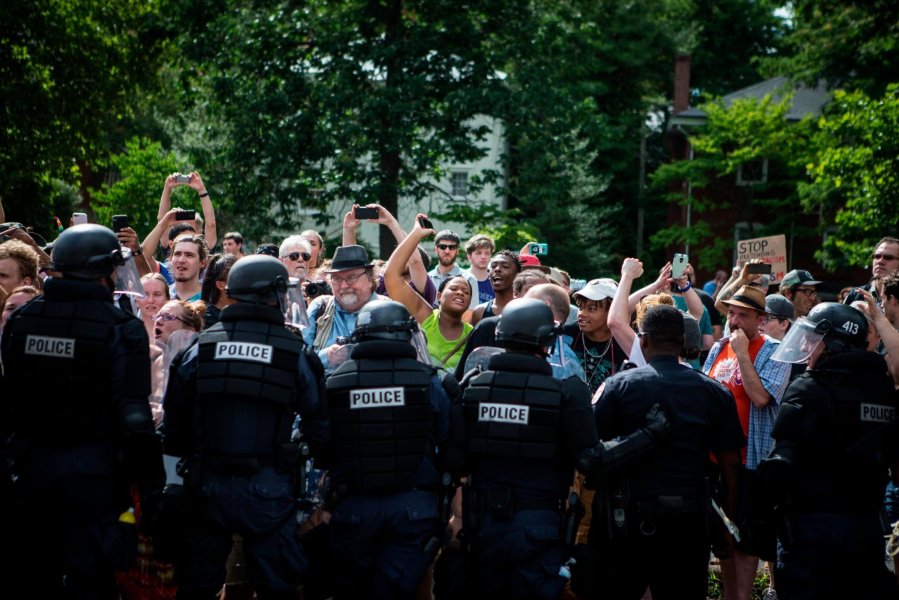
(728, 433)
(311, 401)
(577, 421)
(179, 404)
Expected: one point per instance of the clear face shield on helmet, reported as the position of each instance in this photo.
(293, 305)
(127, 280)
(480, 357)
(800, 342)
(420, 343)
(557, 351)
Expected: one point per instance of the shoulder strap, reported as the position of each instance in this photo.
(324, 323)
(456, 348)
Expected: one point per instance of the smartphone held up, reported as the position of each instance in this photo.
(679, 265)
(364, 212)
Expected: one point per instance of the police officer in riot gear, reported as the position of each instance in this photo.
(229, 409)
(389, 415)
(650, 523)
(835, 438)
(75, 398)
(518, 434)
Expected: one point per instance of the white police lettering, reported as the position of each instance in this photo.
(877, 413)
(42, 345)
(243, 351)
(377, 397)
(503, 413)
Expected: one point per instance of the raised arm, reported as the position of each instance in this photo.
(731, 287)
(210, 231)
(397, 288)
(619, 320)
(694, 304)
(350, 223)
(153, 238)
(661, 283)
(417, 270)
(888, 334)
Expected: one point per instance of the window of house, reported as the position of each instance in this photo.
(459, 181)
(753, 172)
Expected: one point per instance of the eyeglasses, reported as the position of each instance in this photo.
(447, 247)
(642, 333)
(809, 292)
(350, 280)
(297, 255)
(886, 257)
(169, 317)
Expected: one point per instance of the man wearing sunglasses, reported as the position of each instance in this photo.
(884, 260)
(295, 252)
(799, 287)
(446, 246)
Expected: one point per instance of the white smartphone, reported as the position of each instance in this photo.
(679, 265)
(79, 218)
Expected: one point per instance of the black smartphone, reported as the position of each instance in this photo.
(759, 269)
(184, 215)
(119, 222)
(425, 223)
(363, 212)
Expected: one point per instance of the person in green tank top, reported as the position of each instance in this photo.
(443, 326)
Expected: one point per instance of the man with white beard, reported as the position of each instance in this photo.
(331, 317)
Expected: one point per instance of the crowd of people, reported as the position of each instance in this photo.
(344, 427)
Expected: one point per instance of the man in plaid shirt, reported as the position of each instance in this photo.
(742, 363)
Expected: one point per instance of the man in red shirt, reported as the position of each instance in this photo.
(742, 363)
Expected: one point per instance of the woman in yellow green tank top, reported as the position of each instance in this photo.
(444, 327)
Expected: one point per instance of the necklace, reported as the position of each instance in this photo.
(592, 372)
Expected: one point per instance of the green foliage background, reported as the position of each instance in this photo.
(291, 108)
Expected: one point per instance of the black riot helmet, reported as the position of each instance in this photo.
(87, 252)
(526, 323)
(384, 320)
(839, 327)
(258, 279)
(846, 328)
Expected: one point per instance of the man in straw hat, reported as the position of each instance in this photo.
(742, 363)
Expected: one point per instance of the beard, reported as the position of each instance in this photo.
(348, 299)
(446, 261)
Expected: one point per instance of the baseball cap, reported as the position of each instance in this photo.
(528, 260)
(797, 276)
(447, 234)
(779, 306)
(598, 289)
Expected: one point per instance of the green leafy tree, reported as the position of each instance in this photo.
(70, 71)
(140, 171)
(330, 101)
(855, 175)
(747, 131)
(852, 45)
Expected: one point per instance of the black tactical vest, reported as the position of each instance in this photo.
(246, 373)
(381, 420)
(61, 366)
(512, 414)
(850, 428)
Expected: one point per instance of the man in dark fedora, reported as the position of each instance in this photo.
(742, 363)
(353, 282)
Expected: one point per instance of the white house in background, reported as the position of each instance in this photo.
(453, 189)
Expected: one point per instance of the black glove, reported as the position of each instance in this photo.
(657, 423)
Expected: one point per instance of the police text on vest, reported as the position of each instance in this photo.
(43, 345)
(503, 413)
(877, 413)
(243, 351)
(377, 397)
